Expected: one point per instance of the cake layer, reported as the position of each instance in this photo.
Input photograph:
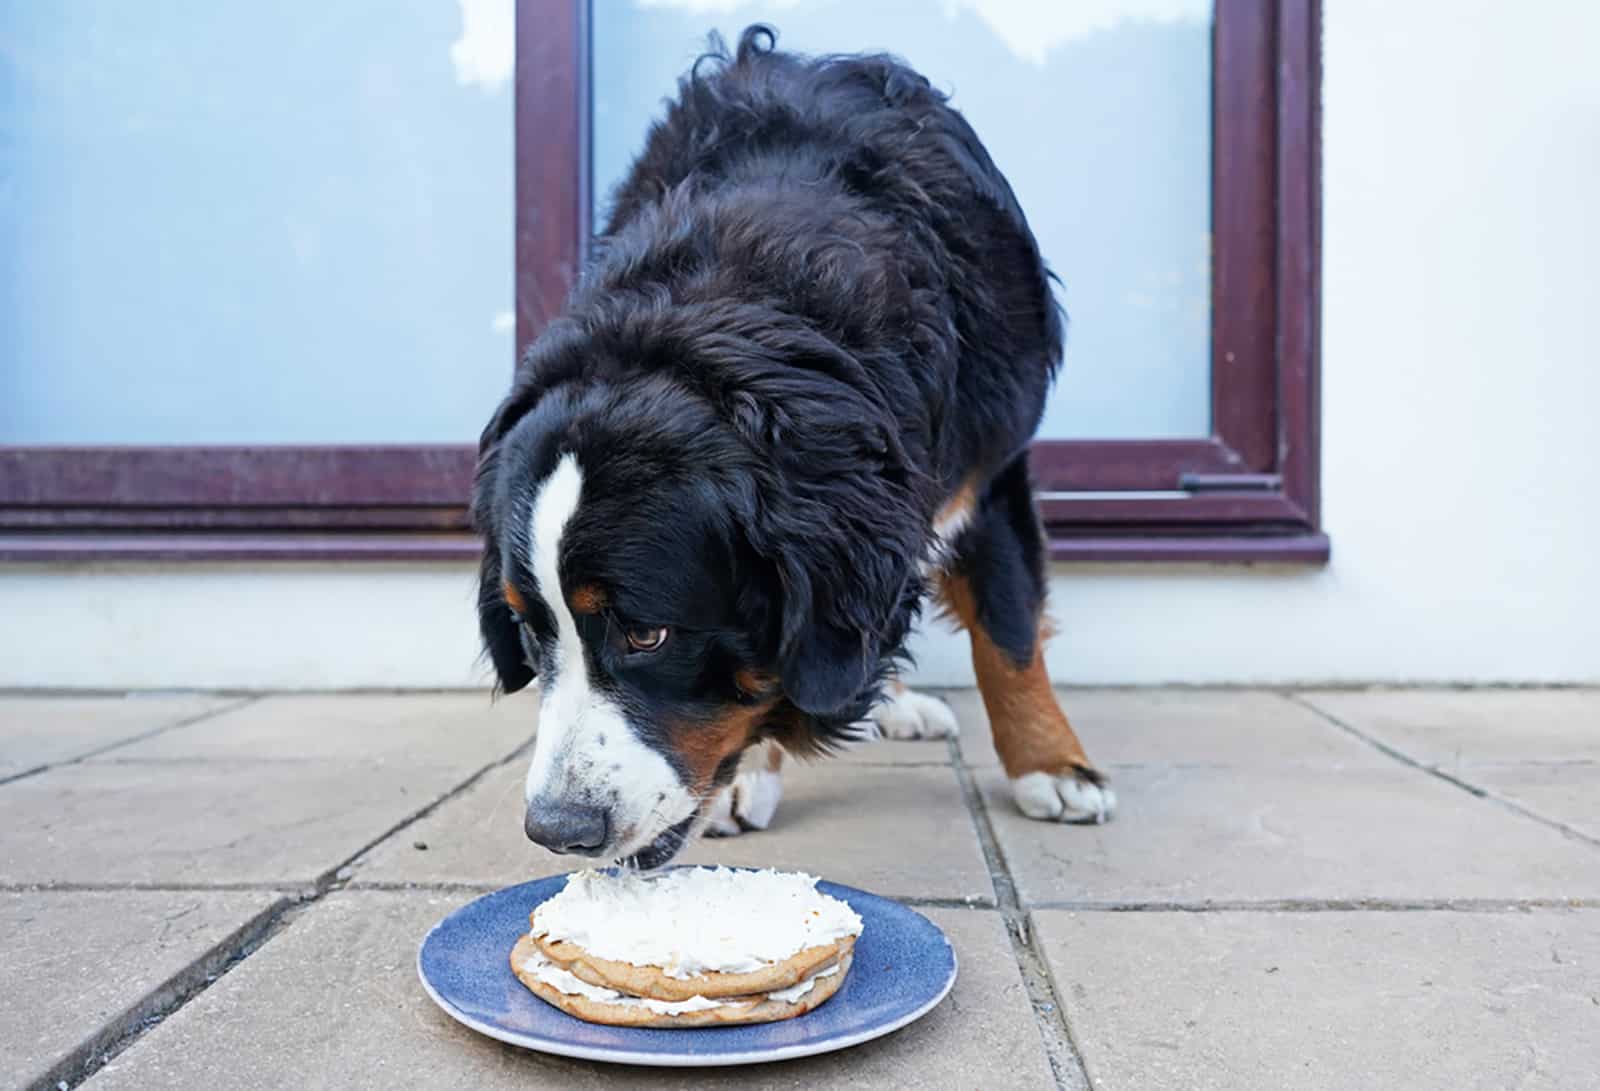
(694, 921)
(596, 1004)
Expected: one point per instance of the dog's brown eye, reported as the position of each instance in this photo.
(646, 639)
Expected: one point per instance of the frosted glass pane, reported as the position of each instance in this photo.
(1099, 111)
(226, 222)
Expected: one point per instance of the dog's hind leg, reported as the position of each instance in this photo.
(749, 801)
(994, 585)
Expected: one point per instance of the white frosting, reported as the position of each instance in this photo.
(572, 985)
(795, 992)
(695, 920)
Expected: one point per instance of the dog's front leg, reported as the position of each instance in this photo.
(749, 801)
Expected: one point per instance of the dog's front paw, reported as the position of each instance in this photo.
(907, 714)
(748, 803)
(1075, 794)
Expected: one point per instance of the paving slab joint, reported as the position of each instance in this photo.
(1327, 905)
(129, 1025)
(1434, 771)
(1050, 1016)
(200, 975)
(161, 729)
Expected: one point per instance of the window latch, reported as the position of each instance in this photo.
(1198, 482)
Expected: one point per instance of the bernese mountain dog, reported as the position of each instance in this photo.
(790, 397)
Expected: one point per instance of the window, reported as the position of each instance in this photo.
(1178, 199)
(249, 306)
(1185, 425)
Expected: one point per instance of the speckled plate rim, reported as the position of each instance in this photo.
(615, 1055)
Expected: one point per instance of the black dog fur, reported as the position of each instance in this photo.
(816, 312)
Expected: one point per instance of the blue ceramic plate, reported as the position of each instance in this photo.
(903, 966)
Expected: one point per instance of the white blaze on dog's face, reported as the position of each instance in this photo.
(594, 786)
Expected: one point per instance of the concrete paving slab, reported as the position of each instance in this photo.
(896, 752)
(1330, 1000)
(205, 822)
(73, 965)
(333, 1002)
(1566, 793)
(474, 839)
(430, 727)
(320, 726)
(1452, 728)
(903, 832)
(1192, 835)
(894, 830)
(37, 731)
(1242, 728)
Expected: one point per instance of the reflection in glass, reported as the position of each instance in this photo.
(1098, 112)
(254, 223)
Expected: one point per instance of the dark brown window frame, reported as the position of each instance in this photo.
(1249, 492)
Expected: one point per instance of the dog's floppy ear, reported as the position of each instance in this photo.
(835, 515)
(829, 663)
(502, 637)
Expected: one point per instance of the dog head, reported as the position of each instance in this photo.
(695, 539)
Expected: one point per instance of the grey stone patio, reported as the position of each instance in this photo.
(1302, 890)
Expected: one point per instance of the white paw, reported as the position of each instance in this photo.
(912, 715)
(1067, 797)
(748, 803)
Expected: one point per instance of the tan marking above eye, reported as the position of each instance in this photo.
(588, 599)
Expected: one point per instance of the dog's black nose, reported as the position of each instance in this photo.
(567, 827)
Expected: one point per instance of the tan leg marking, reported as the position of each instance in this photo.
(1031, 733)
(957, 511)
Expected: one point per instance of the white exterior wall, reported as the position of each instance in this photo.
(1461, 453)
